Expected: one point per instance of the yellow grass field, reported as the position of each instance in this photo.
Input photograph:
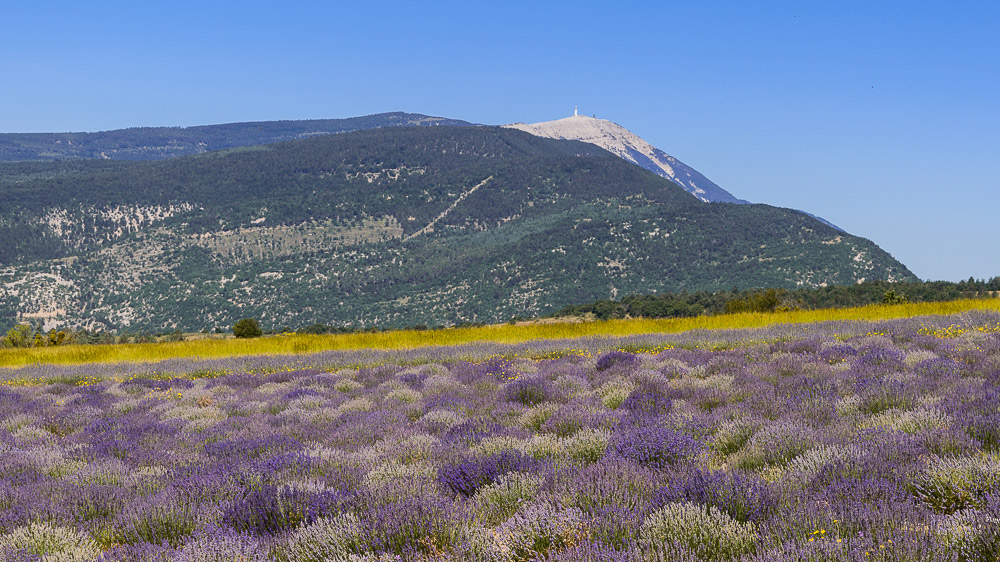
(502, 333)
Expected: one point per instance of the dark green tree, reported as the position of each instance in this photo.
(247, 328)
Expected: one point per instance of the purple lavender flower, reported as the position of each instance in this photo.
(649, 400)
(596, 552)
(655, 445)
(469, 475)
(742, 496)
(273, 509)
(575, 416)
(471, 431)
(877, 361)
(302, 392)
(253, 447)
(528, 391)
(414, 380)
(166, 518)
(502, 368)
(414, 527)
(142, 552)
(838, 353)
(215, 544)
(617, 359)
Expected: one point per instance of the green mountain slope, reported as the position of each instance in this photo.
(157, 143)
(390, 226)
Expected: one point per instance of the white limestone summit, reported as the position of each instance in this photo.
(620, 141)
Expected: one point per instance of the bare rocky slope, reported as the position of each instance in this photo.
(624, 143)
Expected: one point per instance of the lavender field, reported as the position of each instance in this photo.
(832, 441)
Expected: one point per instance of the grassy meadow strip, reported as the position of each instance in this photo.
(499, 333)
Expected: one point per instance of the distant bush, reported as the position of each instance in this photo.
(771, 300)
(247, 328)
(18, 336)
(890, 297)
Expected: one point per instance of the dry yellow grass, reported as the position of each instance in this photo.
(503, 333)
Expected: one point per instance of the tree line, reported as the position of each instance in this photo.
(682, 304)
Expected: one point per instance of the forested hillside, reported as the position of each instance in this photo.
(389, 226)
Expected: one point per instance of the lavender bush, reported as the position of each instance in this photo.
(838, 441)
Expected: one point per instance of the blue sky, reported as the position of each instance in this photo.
(882, 117)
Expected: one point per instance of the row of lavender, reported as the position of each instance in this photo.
(841, 441)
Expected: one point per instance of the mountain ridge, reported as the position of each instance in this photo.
(322, 230)
(156, 143)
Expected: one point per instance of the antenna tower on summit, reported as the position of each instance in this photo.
(576, 111)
